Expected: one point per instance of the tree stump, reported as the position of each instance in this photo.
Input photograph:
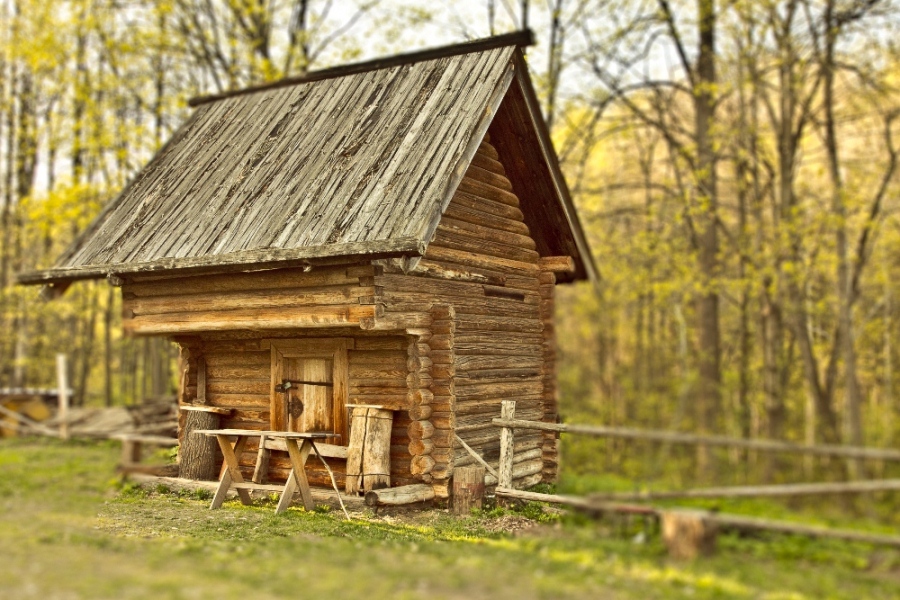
(688, 533)
(199, 454)
(468, 489)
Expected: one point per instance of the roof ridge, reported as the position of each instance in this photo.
(520, 38)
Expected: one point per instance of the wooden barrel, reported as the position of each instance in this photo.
(369, 450)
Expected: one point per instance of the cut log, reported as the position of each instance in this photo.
(421, 465)
(199, 454)
(398, 496)
(688, 533)
(468, 489)
(369, 451)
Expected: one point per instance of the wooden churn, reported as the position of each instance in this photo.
(369, 450)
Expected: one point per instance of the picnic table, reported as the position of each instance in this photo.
(299, 445)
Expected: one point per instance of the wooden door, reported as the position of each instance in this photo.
(315, 375)
(311, 395)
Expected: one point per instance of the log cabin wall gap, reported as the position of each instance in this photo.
(371, 251)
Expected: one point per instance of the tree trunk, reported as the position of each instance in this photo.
(709, 397)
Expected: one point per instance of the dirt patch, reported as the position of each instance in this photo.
(513, 524)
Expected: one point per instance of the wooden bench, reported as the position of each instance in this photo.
(298, 445)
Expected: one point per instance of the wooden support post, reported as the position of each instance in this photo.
(688, 533)
(507, 413)
(132, 452)
(62, 389)
(468, 489)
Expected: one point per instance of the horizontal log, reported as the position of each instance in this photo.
(740, 523)
(483, 161)
(230, 346)
(238, 386)
(488, 245)
(398, 496)
(472, 308)
(242, 401)
(421, 464)
(484, 204)
(283, 298)
(470, 212)
(762, 491)
(488, 177)
(389, 372)
(441, 271)
(497, 390)
(557, 264)
(368, 344)
(473, 363)
(507, 238)
(396, 403)
(420, 430)
(320, 316)
(420, 447)
(211, 409)
(395, 321)
(240, 282)
(708, 440)
(486, 149)
(520, 471)
(420, 412)
(261, 358)
(420, 397)
(377, 357)
(486, 191)
(512, 324)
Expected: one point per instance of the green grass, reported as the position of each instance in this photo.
(69, 530)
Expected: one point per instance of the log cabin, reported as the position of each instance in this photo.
(369, 250)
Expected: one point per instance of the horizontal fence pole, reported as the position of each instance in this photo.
(759, 491)
(725, 521)
(738, 523)
(574, 501)
(706, 440)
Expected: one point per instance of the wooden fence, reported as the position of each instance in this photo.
(688, 532)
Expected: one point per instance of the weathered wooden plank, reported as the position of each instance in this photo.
(314, 316)
(285, 298)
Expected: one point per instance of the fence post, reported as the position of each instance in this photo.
(62, 390)
(507, 413)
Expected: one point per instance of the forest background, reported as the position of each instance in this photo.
(733, 162)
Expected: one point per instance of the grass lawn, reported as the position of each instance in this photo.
(69, 530)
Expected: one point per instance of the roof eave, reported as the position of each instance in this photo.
(238, 261)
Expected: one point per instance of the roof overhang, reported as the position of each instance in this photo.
(236, 261)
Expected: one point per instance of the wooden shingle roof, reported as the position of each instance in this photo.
(359, 163)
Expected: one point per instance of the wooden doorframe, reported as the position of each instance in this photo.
(334, 349)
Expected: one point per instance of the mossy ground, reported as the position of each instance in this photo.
(70, 529)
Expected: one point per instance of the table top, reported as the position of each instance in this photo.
(295, 435)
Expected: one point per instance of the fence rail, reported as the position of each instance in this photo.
(673, 437)
(701, 524)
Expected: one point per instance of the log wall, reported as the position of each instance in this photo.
(275, 299)
(238, 378)
(481, 292)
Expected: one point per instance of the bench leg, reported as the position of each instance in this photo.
(261, 471)
(297, 478)
(232, 473)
